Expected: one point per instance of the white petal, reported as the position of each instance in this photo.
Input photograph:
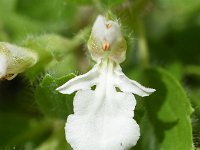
(113, 33)
(127, 85)
(103, 118)
(99, 28)
(3, 65)
(102, 124)
(81, 82)
(102, 33)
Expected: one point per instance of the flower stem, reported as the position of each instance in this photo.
(143, 47)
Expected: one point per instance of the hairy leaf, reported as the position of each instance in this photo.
(166, 123)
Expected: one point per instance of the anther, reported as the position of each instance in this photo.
(108, 25)
(106, 46)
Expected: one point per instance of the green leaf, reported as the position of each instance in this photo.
(80, 2)
(111, 2)
(17, 130)
(104, 2)
(55, 52)
(173, 15)
(51, 102)
(176, 69)
(194, 95)
(11, 125)
(7, 6)
(57, 46)
(36, 132)
(166, 121)
(63, 67)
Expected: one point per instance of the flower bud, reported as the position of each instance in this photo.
(14, 60)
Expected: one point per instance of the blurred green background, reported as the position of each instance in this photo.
(163, 38)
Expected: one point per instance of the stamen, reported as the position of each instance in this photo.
(108, 25)
(106, 46)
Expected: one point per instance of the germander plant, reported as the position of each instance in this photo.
(104, 116)
(49, 48)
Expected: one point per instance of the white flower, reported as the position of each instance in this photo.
(103, 117)
(14, 60)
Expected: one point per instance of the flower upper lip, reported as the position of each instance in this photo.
(107, 40)
(106, 32)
